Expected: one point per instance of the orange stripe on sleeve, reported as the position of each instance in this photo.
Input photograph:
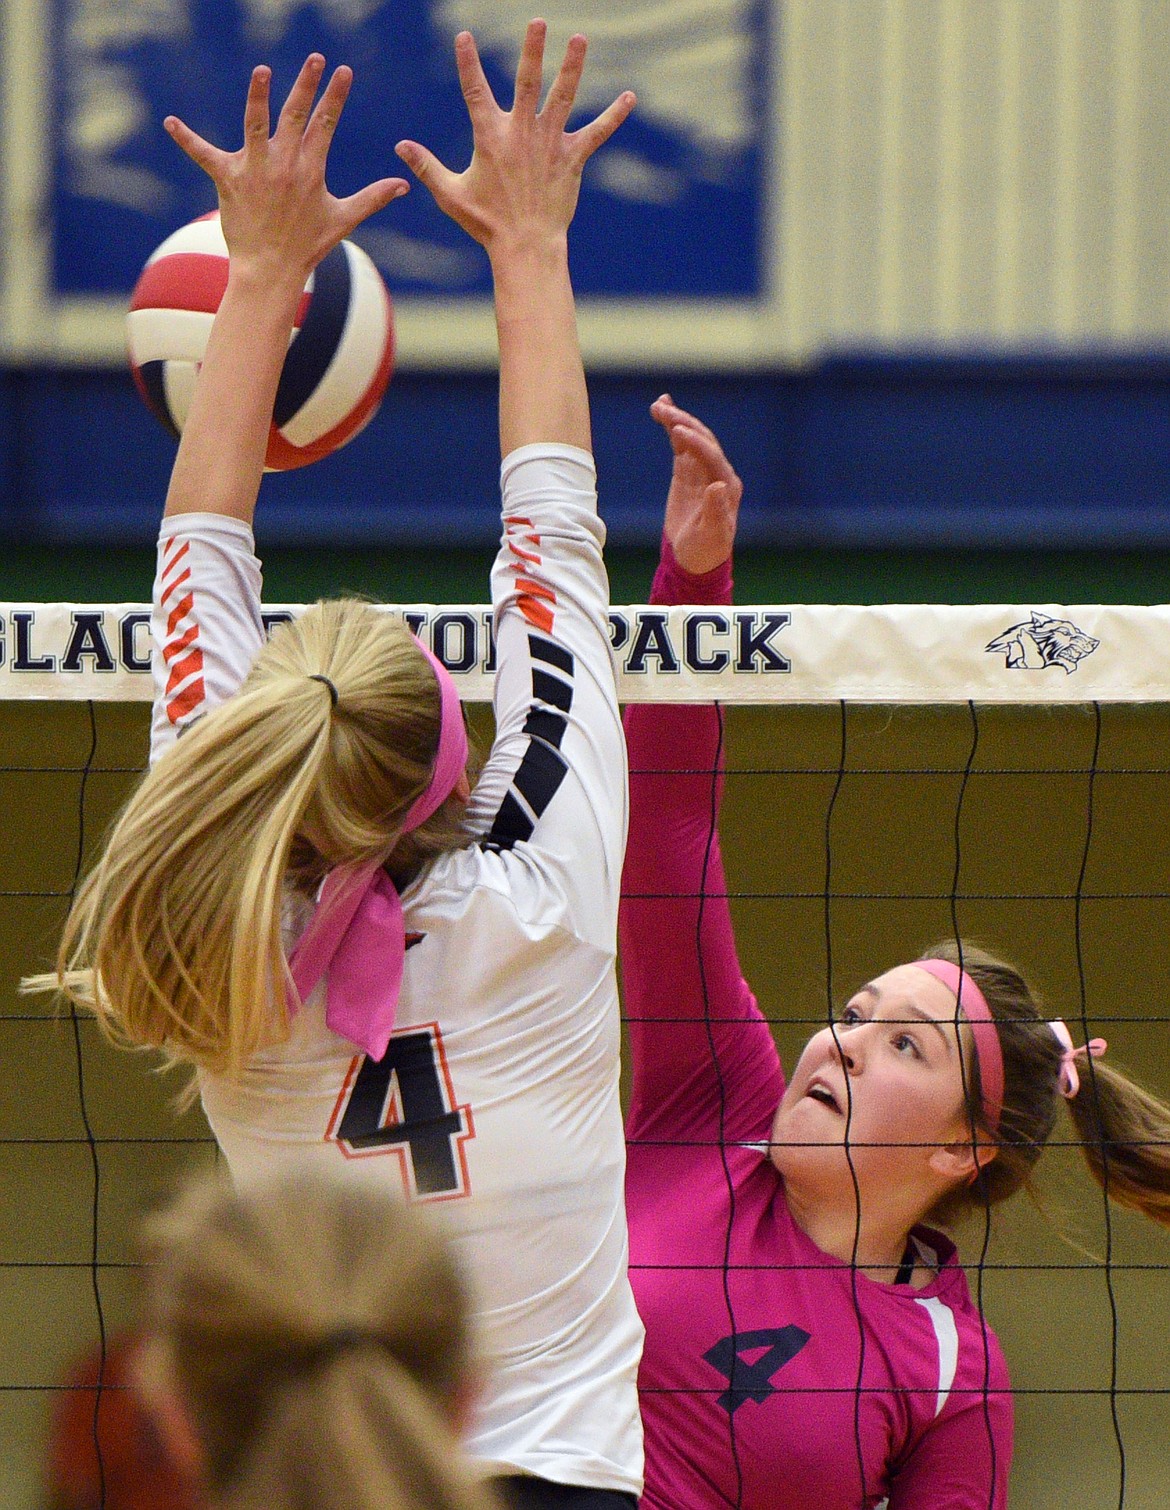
(180, 611)
(181, 670)
(189, 698)
(170, 586)
(171, 557)
(538, 614)
(537, 589)
(173, 647)
(184, 576)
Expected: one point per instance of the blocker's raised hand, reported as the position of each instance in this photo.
(273, 202)
(525, 171)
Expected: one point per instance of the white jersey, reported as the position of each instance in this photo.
(498, 1094)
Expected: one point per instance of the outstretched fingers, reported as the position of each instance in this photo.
(688, 440)
(668, 414)
(559, 105)
(598, 132)
(699, 461)
(294, 113)
(256, 107)
(202, 153)
(324, 119)
(530, 71)
(426, 167)
(477, 92)
(368, 201)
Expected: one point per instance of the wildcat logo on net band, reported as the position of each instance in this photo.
(1040, 642)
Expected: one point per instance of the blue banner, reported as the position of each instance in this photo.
(670, 209)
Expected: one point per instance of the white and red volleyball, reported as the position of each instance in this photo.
(339, 359)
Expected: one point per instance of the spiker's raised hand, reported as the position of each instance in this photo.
(702, 506)
(525, 172)
(274, 206)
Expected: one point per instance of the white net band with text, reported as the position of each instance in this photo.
(895, 653)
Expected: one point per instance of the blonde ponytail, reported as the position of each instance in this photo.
(174, 940)
(361, 1435)
(317, 1337)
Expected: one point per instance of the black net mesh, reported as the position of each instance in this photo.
(852, 835)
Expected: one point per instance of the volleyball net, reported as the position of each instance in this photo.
(895, 775)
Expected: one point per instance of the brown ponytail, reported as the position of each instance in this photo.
(1125, 1135)
(1124, 1131)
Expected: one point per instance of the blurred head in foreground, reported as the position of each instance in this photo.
(307, 1345)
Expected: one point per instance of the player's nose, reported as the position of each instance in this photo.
(851, 1049)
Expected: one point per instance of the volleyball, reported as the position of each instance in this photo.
(339, 359)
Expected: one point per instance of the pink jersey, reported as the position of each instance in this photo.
(773, 1377)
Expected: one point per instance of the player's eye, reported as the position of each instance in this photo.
(906, 1044)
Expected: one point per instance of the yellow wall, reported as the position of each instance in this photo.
(973, 172)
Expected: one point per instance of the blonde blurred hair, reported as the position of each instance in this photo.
(174, 939)
(316, 1337)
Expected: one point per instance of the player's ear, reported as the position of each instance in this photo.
(959, 1163)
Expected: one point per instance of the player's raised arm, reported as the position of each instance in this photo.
(553, 793)
(517, 198)
(673, 884)
(279, 221)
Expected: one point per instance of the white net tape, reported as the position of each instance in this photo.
(897, 653)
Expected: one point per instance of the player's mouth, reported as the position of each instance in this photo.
(819, 1091)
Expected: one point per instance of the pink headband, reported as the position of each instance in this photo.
(973, 1005)
(357, 935)
(1070, 1081)
(451, 756)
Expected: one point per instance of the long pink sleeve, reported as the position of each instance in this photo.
(724, 1278)
(704, 1062)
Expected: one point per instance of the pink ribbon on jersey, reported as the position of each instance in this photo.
(357, 935)
(984, 1033)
